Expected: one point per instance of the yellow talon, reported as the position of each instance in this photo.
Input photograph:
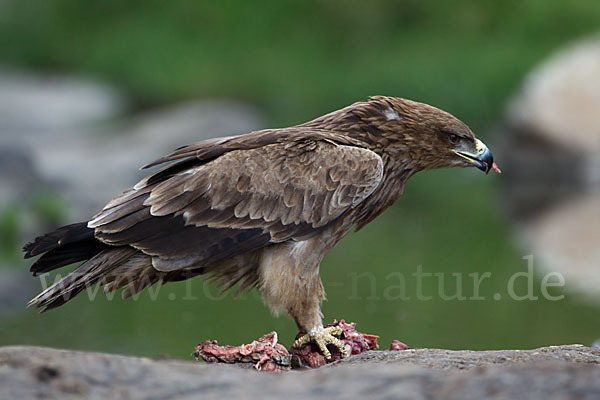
(322, 337)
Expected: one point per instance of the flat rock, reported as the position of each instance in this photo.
(467, 359)
(559, 372)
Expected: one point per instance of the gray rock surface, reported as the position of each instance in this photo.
(560, 372)
(467, 359)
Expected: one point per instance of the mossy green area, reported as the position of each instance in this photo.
(296, 60)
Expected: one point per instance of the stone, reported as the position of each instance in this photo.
(558, 372)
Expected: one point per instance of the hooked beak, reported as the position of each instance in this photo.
(483, 159)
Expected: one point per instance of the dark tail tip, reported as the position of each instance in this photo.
(64, 246)
(62, 236)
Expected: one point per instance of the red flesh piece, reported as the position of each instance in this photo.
(265, 353)
(398, 345)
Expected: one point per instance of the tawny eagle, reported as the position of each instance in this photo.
(260, 209)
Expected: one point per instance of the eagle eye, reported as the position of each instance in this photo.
(453, 138)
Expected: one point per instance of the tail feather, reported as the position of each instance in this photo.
(64, 246)
(114, 267)
(86, 275)
(60, 237)
(67, 254)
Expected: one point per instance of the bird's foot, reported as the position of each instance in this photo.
(323, 337)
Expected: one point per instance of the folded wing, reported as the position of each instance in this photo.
(199, 212)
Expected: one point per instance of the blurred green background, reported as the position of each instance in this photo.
(296, 60)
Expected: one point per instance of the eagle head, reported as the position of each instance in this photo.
(429, 137)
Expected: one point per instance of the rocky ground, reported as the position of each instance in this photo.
(560, 372)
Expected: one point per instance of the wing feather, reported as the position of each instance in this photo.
(240, 201)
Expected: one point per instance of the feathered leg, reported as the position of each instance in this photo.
(289, 281)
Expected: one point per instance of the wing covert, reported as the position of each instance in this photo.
(241, 201)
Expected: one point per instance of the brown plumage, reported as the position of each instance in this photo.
(260, 209)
